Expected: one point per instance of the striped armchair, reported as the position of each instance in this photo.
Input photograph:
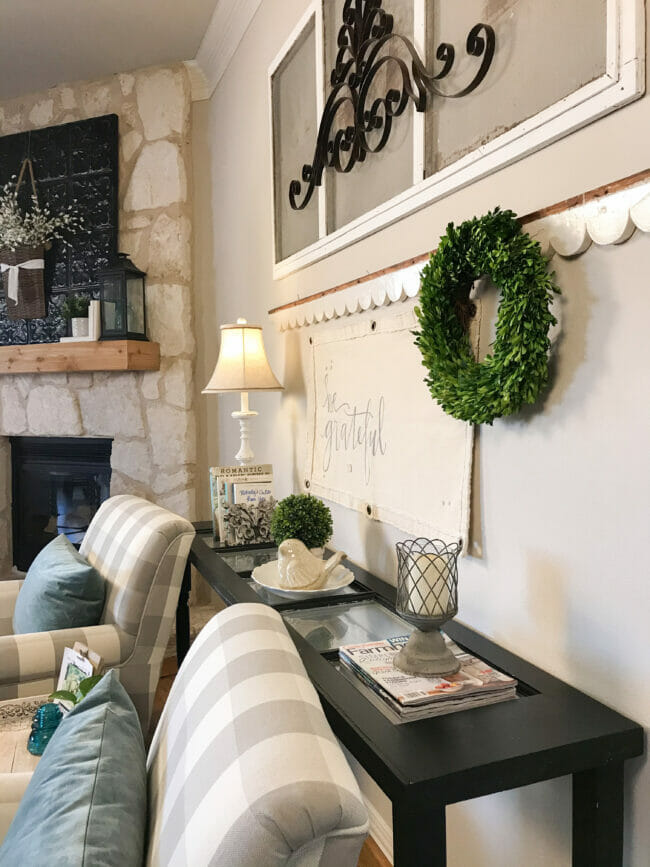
(140, 550)
(243, 768)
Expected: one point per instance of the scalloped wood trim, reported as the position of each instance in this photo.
(606, 215)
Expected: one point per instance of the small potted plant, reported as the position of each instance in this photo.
(301, 516)
(75, 310)
(25, 233)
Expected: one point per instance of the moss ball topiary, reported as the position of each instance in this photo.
(301, 516)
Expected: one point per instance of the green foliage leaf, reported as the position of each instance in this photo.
(88, 683)
(75, 306)
(517, 369)
(64, 695)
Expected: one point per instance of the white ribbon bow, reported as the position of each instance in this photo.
(31, 264)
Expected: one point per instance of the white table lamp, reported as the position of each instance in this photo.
(242, 366)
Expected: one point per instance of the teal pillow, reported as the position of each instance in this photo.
(61, 591)
(85, 805)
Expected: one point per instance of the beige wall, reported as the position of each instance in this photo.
(562, 491)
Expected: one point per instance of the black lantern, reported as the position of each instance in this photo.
(122, 301)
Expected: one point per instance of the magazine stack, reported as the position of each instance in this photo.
(405, 697)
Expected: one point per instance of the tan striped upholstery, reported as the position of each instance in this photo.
(244, 770)
(9, 591)
(140, 550)
(12, 789)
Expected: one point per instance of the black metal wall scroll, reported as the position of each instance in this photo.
(366, 30)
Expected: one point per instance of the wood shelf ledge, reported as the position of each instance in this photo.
(102, 355)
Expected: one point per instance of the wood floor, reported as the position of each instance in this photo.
(14, 758)
(371, 854)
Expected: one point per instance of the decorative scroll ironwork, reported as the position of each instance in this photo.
(366, 31)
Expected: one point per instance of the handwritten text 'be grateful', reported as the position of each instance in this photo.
(351, 430)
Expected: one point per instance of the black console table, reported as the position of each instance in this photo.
(549, 731)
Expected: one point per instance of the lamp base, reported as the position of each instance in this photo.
(426, 653)
(245, 454)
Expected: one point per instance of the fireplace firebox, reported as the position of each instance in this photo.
(58, 483)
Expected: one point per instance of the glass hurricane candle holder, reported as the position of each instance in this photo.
(427, 597)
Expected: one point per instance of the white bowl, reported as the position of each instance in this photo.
(268, 576)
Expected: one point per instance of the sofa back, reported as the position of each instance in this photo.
(243, 767)
(134, 546)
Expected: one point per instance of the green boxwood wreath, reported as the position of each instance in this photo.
(517, 369)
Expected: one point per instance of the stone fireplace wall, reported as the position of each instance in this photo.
(149, 415)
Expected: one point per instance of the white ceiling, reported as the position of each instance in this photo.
(45, 42)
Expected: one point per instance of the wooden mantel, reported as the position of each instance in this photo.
(80, 357)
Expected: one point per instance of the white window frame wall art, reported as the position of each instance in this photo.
(283, 65)
(623, 81)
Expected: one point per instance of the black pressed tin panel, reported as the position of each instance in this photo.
(74, 161)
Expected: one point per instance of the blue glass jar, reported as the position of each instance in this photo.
(44, 724)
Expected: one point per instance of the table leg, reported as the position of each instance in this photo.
(598, 817)
(419, 835)
(183, 616)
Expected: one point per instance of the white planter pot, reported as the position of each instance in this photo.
(79, 326)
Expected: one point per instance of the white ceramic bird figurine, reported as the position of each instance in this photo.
(300, 569)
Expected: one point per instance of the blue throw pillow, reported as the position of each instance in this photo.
(61, 591)
(85, 805)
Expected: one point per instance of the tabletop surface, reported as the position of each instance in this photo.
(15, 725)
(550, 730)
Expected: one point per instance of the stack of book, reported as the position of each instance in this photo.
(405, 697)
(242, 503)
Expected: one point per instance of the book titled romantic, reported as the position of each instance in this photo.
(242, 503)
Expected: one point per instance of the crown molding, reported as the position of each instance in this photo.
(226, 29)
(198, 82)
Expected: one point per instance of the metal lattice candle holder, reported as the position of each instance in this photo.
(427, 597)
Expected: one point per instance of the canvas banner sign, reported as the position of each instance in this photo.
(377, 442)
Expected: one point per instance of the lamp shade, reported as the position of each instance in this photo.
(242, 364)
